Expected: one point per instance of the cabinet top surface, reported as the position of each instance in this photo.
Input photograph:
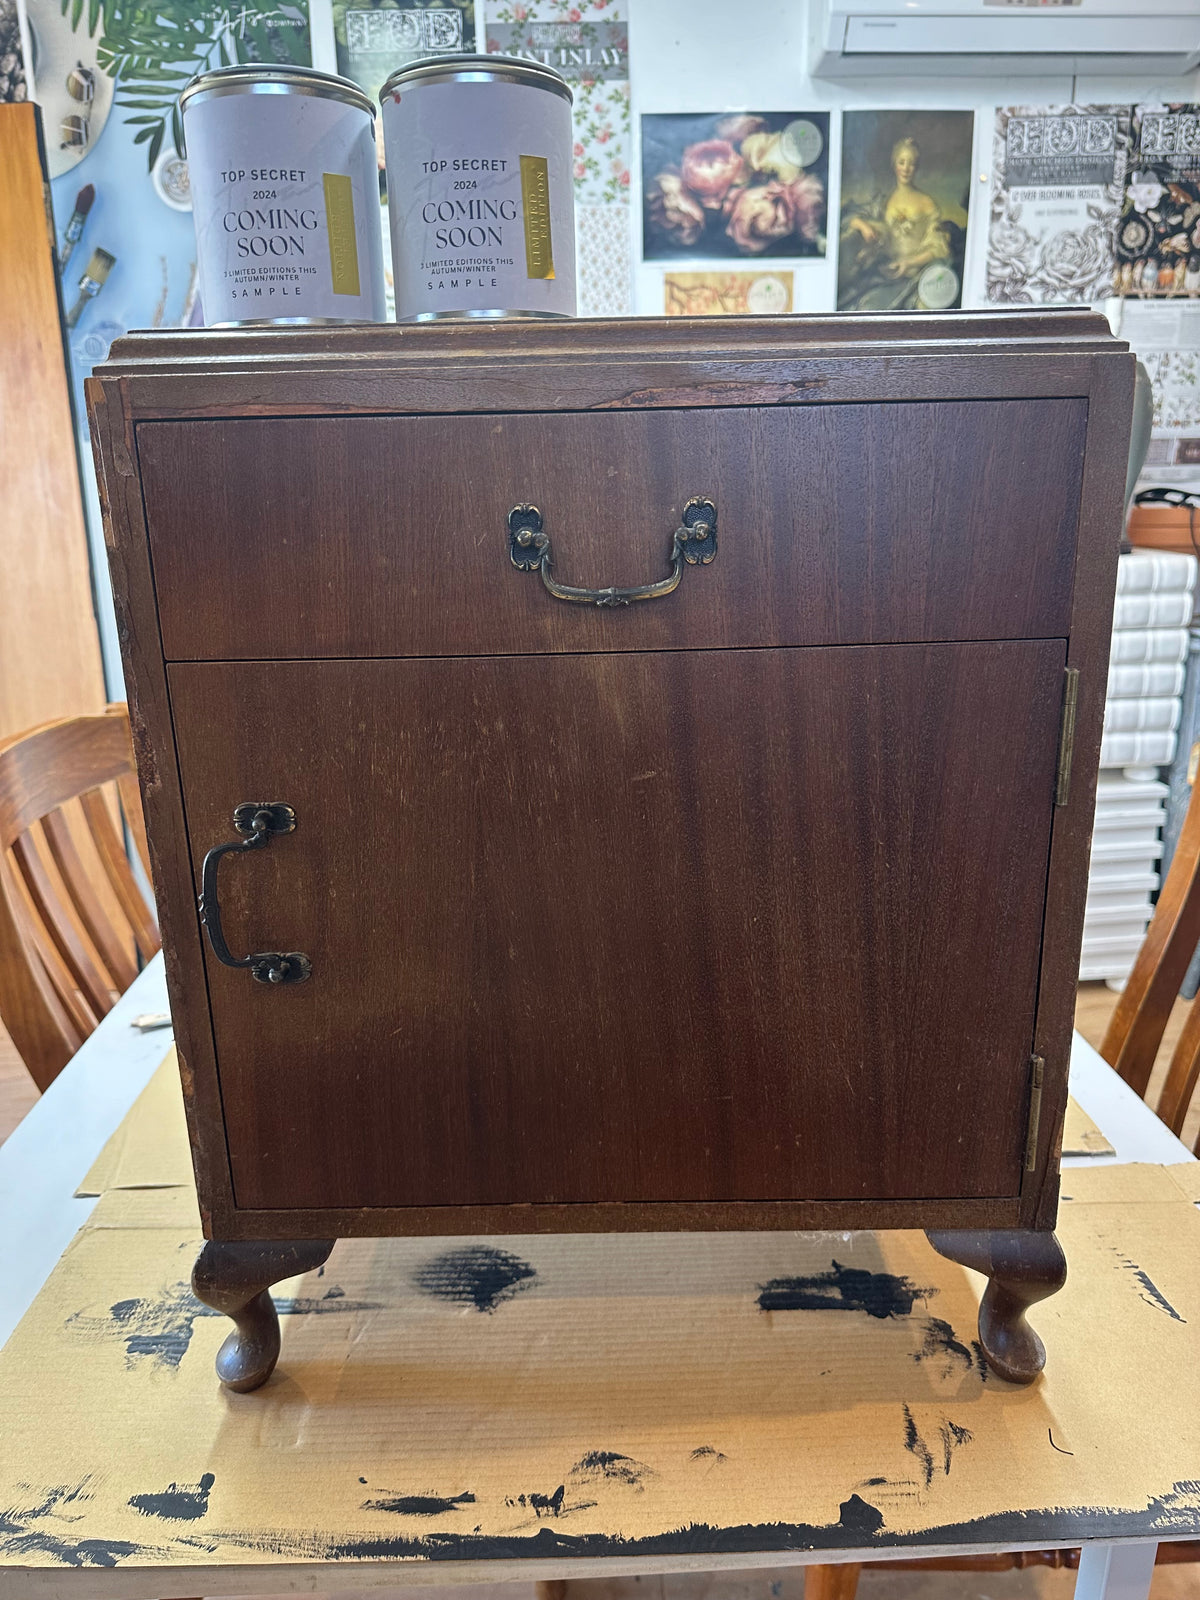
(631, 363)
(1064, 332)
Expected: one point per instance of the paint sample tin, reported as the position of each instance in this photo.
(285, 196)
(480, 188)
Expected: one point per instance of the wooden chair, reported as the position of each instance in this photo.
(1136, 1027)
(74, 923)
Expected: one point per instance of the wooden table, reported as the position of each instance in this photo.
(47, 1156)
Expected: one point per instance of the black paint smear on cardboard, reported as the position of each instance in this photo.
(916, 1446)
(178, 1502)
(161, 1329)
(615, 1468)
(419, 1505)
(707, 1453)
(940, 1343)
(950, 1435)
(19, 1540)
(953, 1437)
(1151, 1293)
(860, 1526)
(477, 1275)
(879, 1294)
(549, 1505)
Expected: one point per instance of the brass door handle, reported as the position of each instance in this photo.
(256, 821)
(694, 542)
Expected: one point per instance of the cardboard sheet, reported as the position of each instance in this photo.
(1081, 1136)
(553, 1404)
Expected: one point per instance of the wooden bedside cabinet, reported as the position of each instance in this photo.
(747, 894)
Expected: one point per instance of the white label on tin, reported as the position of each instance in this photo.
(284, 192)
(467, 234)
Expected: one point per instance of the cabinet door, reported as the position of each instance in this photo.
(711, 925)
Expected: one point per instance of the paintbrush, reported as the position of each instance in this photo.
(83, 204)
(90, 285)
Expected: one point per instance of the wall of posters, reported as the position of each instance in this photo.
(1058, 181)
(1158, 235)
(906, 190)
(734, 184)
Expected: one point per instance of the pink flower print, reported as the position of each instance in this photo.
(578, 150)
(625, 179)
(574, 15)
(580, 170)
(520, 13)
(604, 135)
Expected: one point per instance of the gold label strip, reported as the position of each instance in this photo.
(535, 204)
(339, 224)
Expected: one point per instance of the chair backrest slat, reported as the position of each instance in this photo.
(45, 953)
(72, 915)
(39, 1023)
(135, 822)
(1135, 1030)
(119, 872)
(52, 910)
(117, 960)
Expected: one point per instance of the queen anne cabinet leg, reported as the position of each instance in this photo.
(1022, 1268)
(236, 1280)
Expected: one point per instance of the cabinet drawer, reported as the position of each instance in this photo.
(837, 524)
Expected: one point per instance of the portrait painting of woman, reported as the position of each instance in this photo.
(905, 192)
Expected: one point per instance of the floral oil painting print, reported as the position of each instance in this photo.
(747, 184)
(1058, 176)
(906, 187)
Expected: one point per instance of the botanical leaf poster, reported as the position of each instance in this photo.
(906, 188)
(734, 184)
(1158, 233)
(1058, 179)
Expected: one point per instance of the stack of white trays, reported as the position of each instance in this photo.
(1141, 722)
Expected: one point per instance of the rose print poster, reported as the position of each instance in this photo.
(740, 184)
(1158, 232)
(1058, 176)
(906, 187)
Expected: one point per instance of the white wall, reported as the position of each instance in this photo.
(749, 55)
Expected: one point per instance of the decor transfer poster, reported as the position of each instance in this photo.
(374, 37)
(1158, 235)
(736, 184)
(587, 41)
(906, 188)
(1058, 179)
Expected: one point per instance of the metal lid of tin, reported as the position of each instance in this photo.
(255, 78)
(467, 68)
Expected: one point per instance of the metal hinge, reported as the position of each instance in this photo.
(1037, 1071)
(1066, 737)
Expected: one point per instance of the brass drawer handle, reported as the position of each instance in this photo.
(693, 542)
(256, 821)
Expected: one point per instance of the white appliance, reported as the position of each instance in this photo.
(876, 38)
